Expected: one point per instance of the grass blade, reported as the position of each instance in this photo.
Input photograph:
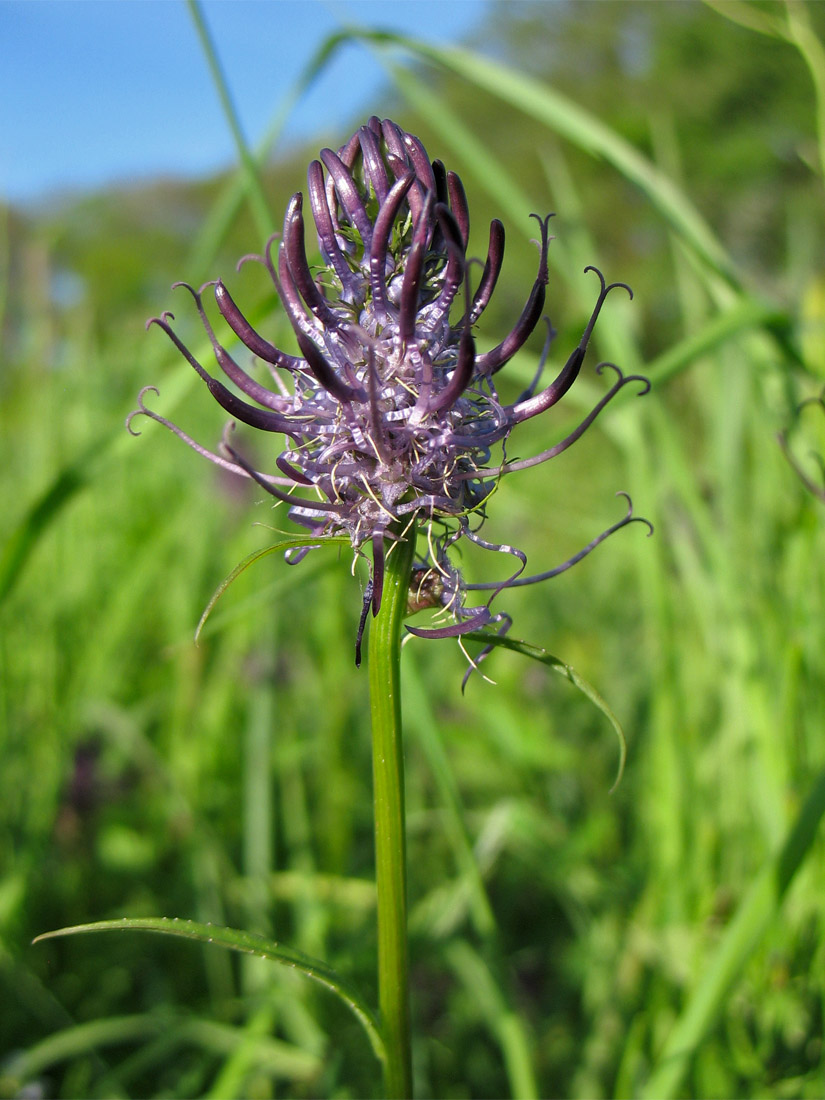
(758, 909)
(500, 1018)
(22, 540)
(744, 315)
(257, 197)
(247, 943)
(273, 1055)
(577, 125)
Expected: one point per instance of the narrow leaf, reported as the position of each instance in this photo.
(274, 1055)
(287, 544)
(569, 673)
(249, 944)
(499, 1016)
(745, 315)
(565, 117)
(43, 512)
(263, 216)
(758, 909)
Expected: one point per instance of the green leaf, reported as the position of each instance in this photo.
(259, 205)
(247, 943)
(43, 512)
(286, 544)
(569, 673)
(759, 908)
(743, 316)
(273, 1055)
(500, 1017)
(577, 125)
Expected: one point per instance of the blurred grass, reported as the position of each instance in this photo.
(561, 939)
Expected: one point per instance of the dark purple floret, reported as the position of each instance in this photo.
(390, 415)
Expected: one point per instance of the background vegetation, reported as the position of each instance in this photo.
(663, 940)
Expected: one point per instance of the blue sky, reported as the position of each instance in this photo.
(104, 91)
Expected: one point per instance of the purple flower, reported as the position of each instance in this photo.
(390, 416)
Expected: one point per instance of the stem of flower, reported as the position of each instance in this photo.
(390, 834)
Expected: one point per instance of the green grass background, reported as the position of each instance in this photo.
(663, 940)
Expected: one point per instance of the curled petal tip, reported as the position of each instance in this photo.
(630, 518)
(186, 286)
(162, 321)
(607, 287)
(625, 379)
(256, 257)
(250, 258)
(141, 410)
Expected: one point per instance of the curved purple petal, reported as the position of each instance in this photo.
(296, 258)
(379, 259)
(495, 359)
(348, 196)
(492, 270)
(375, 171)
(478, 617)
(247, 335)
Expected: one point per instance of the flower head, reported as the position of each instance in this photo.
(389, 413)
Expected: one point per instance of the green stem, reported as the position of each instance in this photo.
(390, 837)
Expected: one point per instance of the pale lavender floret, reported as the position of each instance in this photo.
(389, 412)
